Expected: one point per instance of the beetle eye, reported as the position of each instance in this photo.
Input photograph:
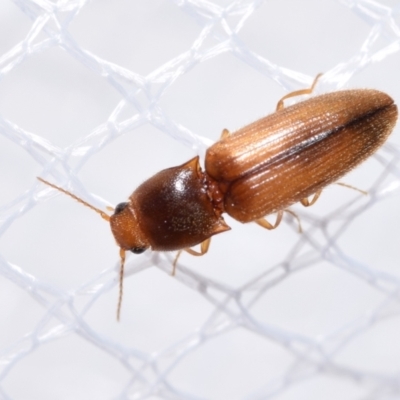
(120, 207)
(138, 250)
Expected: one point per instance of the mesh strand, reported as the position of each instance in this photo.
(97, 96)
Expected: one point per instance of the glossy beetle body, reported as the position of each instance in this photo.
(262, 168)
(291, 154)
(170, 211)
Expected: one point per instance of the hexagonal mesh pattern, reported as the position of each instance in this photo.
(96, 97)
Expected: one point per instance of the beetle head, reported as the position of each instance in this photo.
(126, 229)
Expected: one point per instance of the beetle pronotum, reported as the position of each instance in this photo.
(261, 169)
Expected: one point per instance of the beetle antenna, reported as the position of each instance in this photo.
(102, 213)
(121, 283)
(107, 218)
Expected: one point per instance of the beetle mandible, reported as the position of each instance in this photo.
(261, 169)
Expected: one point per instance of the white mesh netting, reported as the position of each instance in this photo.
(96, 96)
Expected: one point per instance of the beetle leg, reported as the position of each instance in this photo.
(295, 93)
(267, 225)
(297, 217)
(307, 203)
(225, 133)
(204, 246)
(352, 187)
(178, 254)
(121, 282)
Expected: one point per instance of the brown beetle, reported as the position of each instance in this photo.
(261, 169)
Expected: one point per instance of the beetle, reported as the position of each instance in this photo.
(261, 169)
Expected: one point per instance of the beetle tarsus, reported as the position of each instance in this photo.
(295, 93)
(178, 254)
(204, 246)
(267, 225)
(298, 219)
(365, 193)
(307, 203)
